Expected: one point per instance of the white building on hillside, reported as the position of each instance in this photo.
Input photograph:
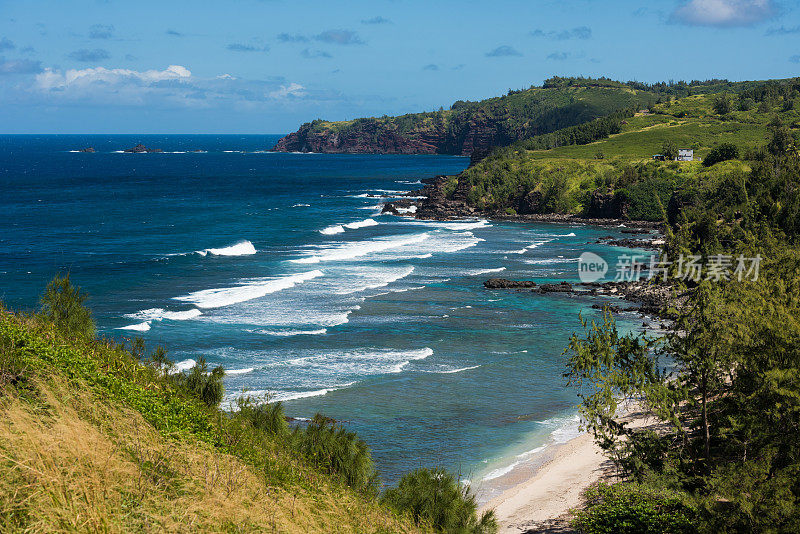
(685, 154)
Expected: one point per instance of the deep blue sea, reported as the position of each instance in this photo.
(281, 268)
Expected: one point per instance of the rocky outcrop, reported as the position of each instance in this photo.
(563, 287)
(607, 205)
(502, 283)
(89, 149)
(475, 138)
(140, 149)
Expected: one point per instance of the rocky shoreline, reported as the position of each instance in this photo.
(654, 299)
(431, 203)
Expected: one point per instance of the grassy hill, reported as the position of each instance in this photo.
(93, 440)
(608, 162)
(473, 128)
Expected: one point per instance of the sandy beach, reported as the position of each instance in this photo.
(542, 502)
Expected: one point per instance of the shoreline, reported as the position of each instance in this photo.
(543, 500)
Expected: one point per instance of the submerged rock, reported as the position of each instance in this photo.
(502, 283)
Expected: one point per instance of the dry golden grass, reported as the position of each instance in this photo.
(72, 464)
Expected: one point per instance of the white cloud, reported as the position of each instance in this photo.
(724, 13)
(82, 78)
(291, 90)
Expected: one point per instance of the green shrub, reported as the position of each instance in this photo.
(63, 304)
(627, 508)
(265, 416)
(435, 497)
(331, 448)
(723, 152)
(204, 384)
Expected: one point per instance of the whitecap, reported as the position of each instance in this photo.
(242, 248)
(362, 248)
(375, 279)
(332, 230)
(361, 224)
(225, 296)
(159, 314)
(139, 327)
(184, 365)
(453, 371)
(301, 205)
(290, 333)
(477, 272)
(238, 371)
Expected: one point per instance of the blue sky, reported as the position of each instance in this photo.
(265, 66)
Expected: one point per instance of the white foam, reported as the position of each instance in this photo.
(410, 209)
(531, 452)
(238, 371)
(185, 365)
(497, 473)
(538, 243)
(332, 230)
(160, 314)
(362, 248)
(140, 327)
(361, 224)
(375, 279)
(289, 333)
(301, 205)
(243, 248)
(550, 261)
(477, 272)
(375, 207)
(454, 371)
(225, 296)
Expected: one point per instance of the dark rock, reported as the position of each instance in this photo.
(140, 149)
(502, 283)
(530, 203)
(563, 287)
(88, 149)
(607, 205)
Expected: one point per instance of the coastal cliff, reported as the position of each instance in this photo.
(471, 128)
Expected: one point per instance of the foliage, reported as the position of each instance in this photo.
(435, 497)
(63, 304)
(608, 369)
(634, 509)
(341, 453)
(245, 460)
(723, 104)
(669, 150)
(204, 384)
(723, 152)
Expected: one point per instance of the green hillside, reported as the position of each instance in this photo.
(561, 172)
(473, 128)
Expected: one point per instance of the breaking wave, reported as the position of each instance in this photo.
(225, 296)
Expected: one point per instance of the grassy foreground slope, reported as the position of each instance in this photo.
(93, 440)
(565, 171)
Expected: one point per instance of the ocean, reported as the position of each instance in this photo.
(282, 269)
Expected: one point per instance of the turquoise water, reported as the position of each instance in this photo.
(281, 268)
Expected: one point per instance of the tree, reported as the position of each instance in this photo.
(63, 304)
(435, 497)
(723, 152)
(206, 385)
(722, 104)
(609, 368)
(669, 150)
